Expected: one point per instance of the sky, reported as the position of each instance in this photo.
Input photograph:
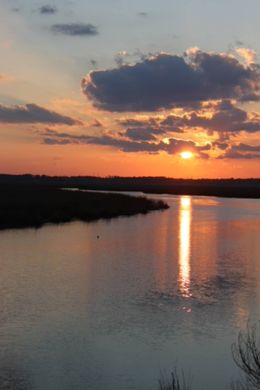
(117, 87)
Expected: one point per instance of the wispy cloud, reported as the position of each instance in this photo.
(48, 9)
(143, 14)
(75, 29)
(141, 134)
(31, 113)
(172, 146)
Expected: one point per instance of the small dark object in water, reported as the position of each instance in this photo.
(98, 237)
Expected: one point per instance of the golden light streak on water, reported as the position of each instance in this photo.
(185, 214)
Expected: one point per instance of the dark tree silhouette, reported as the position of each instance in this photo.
(246, 354)
(175, 382)
(240, 385)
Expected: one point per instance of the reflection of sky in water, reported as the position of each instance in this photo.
(173, 286)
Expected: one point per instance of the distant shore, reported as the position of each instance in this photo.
(231, 188)
(24, 206)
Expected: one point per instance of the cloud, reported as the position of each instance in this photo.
(52, 141)
(241, 151)
(75, 29)
(226, 117)
(142, 140)
(231, 154)
(96, 123)
(121, 57)
(246, 148)
(31, 113)
(221, 145)
(171, 123)
(140, 134)
(248, 55)
(93, 62)
(146, 130)
(239, 42)
(48, 10)
(129, 122)
(173, 145)
(165, 81)
(218, 116)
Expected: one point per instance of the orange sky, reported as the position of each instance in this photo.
(73, 160)
(91, 98)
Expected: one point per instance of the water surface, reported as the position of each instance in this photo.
(152, 292)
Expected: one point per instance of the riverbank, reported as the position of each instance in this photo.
(34, 206)
(231, 188)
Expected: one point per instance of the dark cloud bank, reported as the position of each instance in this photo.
(198, 82)
(166, 81)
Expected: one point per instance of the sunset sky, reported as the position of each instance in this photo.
(117, 87)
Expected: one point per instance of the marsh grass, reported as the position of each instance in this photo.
(33, 206)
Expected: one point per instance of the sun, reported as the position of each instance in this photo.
(186, 155)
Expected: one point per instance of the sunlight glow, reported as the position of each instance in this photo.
(166, 141)
(186, 155)
(184, 245)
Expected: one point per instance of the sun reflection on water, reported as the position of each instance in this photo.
(185, 212)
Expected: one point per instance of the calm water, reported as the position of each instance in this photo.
(170, 288)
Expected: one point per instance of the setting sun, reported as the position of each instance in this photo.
(186, 155)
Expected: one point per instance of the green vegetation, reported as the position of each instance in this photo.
(33, 206)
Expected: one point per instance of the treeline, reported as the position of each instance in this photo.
(34, 205)
(239, 188)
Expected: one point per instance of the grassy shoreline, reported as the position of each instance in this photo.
(34, 206)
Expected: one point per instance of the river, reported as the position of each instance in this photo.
(112, 305)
